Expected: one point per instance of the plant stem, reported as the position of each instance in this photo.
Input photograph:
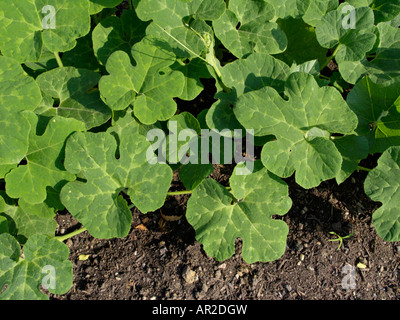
(59, 62)
(363, 169)
(329, 59)
(177, 193)
(70, 235)
(130, 4)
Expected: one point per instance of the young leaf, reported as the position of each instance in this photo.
(219, 217)
(351, 41)
(96, 203)
(45, 265)
(246, 28)
(303, 125)
(378, 111)
(44, 161)
(72, 88)
(26, 26)
(150, 90)
(383, 184)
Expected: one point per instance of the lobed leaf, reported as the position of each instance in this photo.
(382, 184)
(18, 93)
(76, 98)
(145, 86)
(302, 125)
(44, 167)
(113, 34)
(384, 68)
(220, 217)
(24, 31)
(378, 111)
(246, 28)
(351, 42)
(45, 265)
(96, 202)
(383, 10)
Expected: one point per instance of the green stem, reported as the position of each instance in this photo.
(59, 62)
(328, 60)
(337, 137)
(363, 169)
(177, 193)
(130, 4)
(70, 235)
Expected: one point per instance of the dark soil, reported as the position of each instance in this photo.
(161, 259)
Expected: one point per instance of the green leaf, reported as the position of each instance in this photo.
(302, 126)
(246, 28)
(302, 42)
(18, 92)
(82, 55)
(184, 132)
(145, 86)
(124, 122)
(256, 71)
(181, 20)
(384, 10)
(382, 185)
(192, 175)
(353, 149)
(44, 161)
(351, 43)
(285, 8)
(113, 34)
(31, 219)
(46, 62)
(96, 202)
(244, 75)
(193, 71)
(378, 111)
(45, 264)
(312, 11)
(221, 119)
(385, 67)
(74, 90)
(97, 5)
(23, 34)
(219, 217)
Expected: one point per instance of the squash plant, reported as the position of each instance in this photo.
(90, 121)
